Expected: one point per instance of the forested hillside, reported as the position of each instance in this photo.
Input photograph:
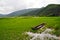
(50, 10)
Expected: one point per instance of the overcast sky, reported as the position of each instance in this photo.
(7, 6)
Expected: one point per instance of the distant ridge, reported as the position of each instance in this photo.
(1, 15)
(20, 12)
(50, 10)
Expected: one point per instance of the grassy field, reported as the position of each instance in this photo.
(14, 28)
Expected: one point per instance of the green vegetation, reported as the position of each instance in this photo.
(14, 28)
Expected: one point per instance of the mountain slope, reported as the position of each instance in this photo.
(32, 13)
(1, 15)
(20, 12)
(50, 10)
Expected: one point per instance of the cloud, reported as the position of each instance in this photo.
(7, 6)
(41, 3)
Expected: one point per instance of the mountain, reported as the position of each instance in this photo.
(20, 12)
(1, 15)
(50, 10)
(33, 13)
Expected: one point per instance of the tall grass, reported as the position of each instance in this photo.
(14, 28)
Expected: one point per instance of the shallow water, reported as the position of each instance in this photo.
(43, 36)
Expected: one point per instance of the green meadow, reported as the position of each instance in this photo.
(14, 28)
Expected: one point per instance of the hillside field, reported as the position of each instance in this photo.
(14, 28)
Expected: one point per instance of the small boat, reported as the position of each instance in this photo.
(38, 26)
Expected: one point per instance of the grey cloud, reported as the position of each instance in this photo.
(8, 6)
